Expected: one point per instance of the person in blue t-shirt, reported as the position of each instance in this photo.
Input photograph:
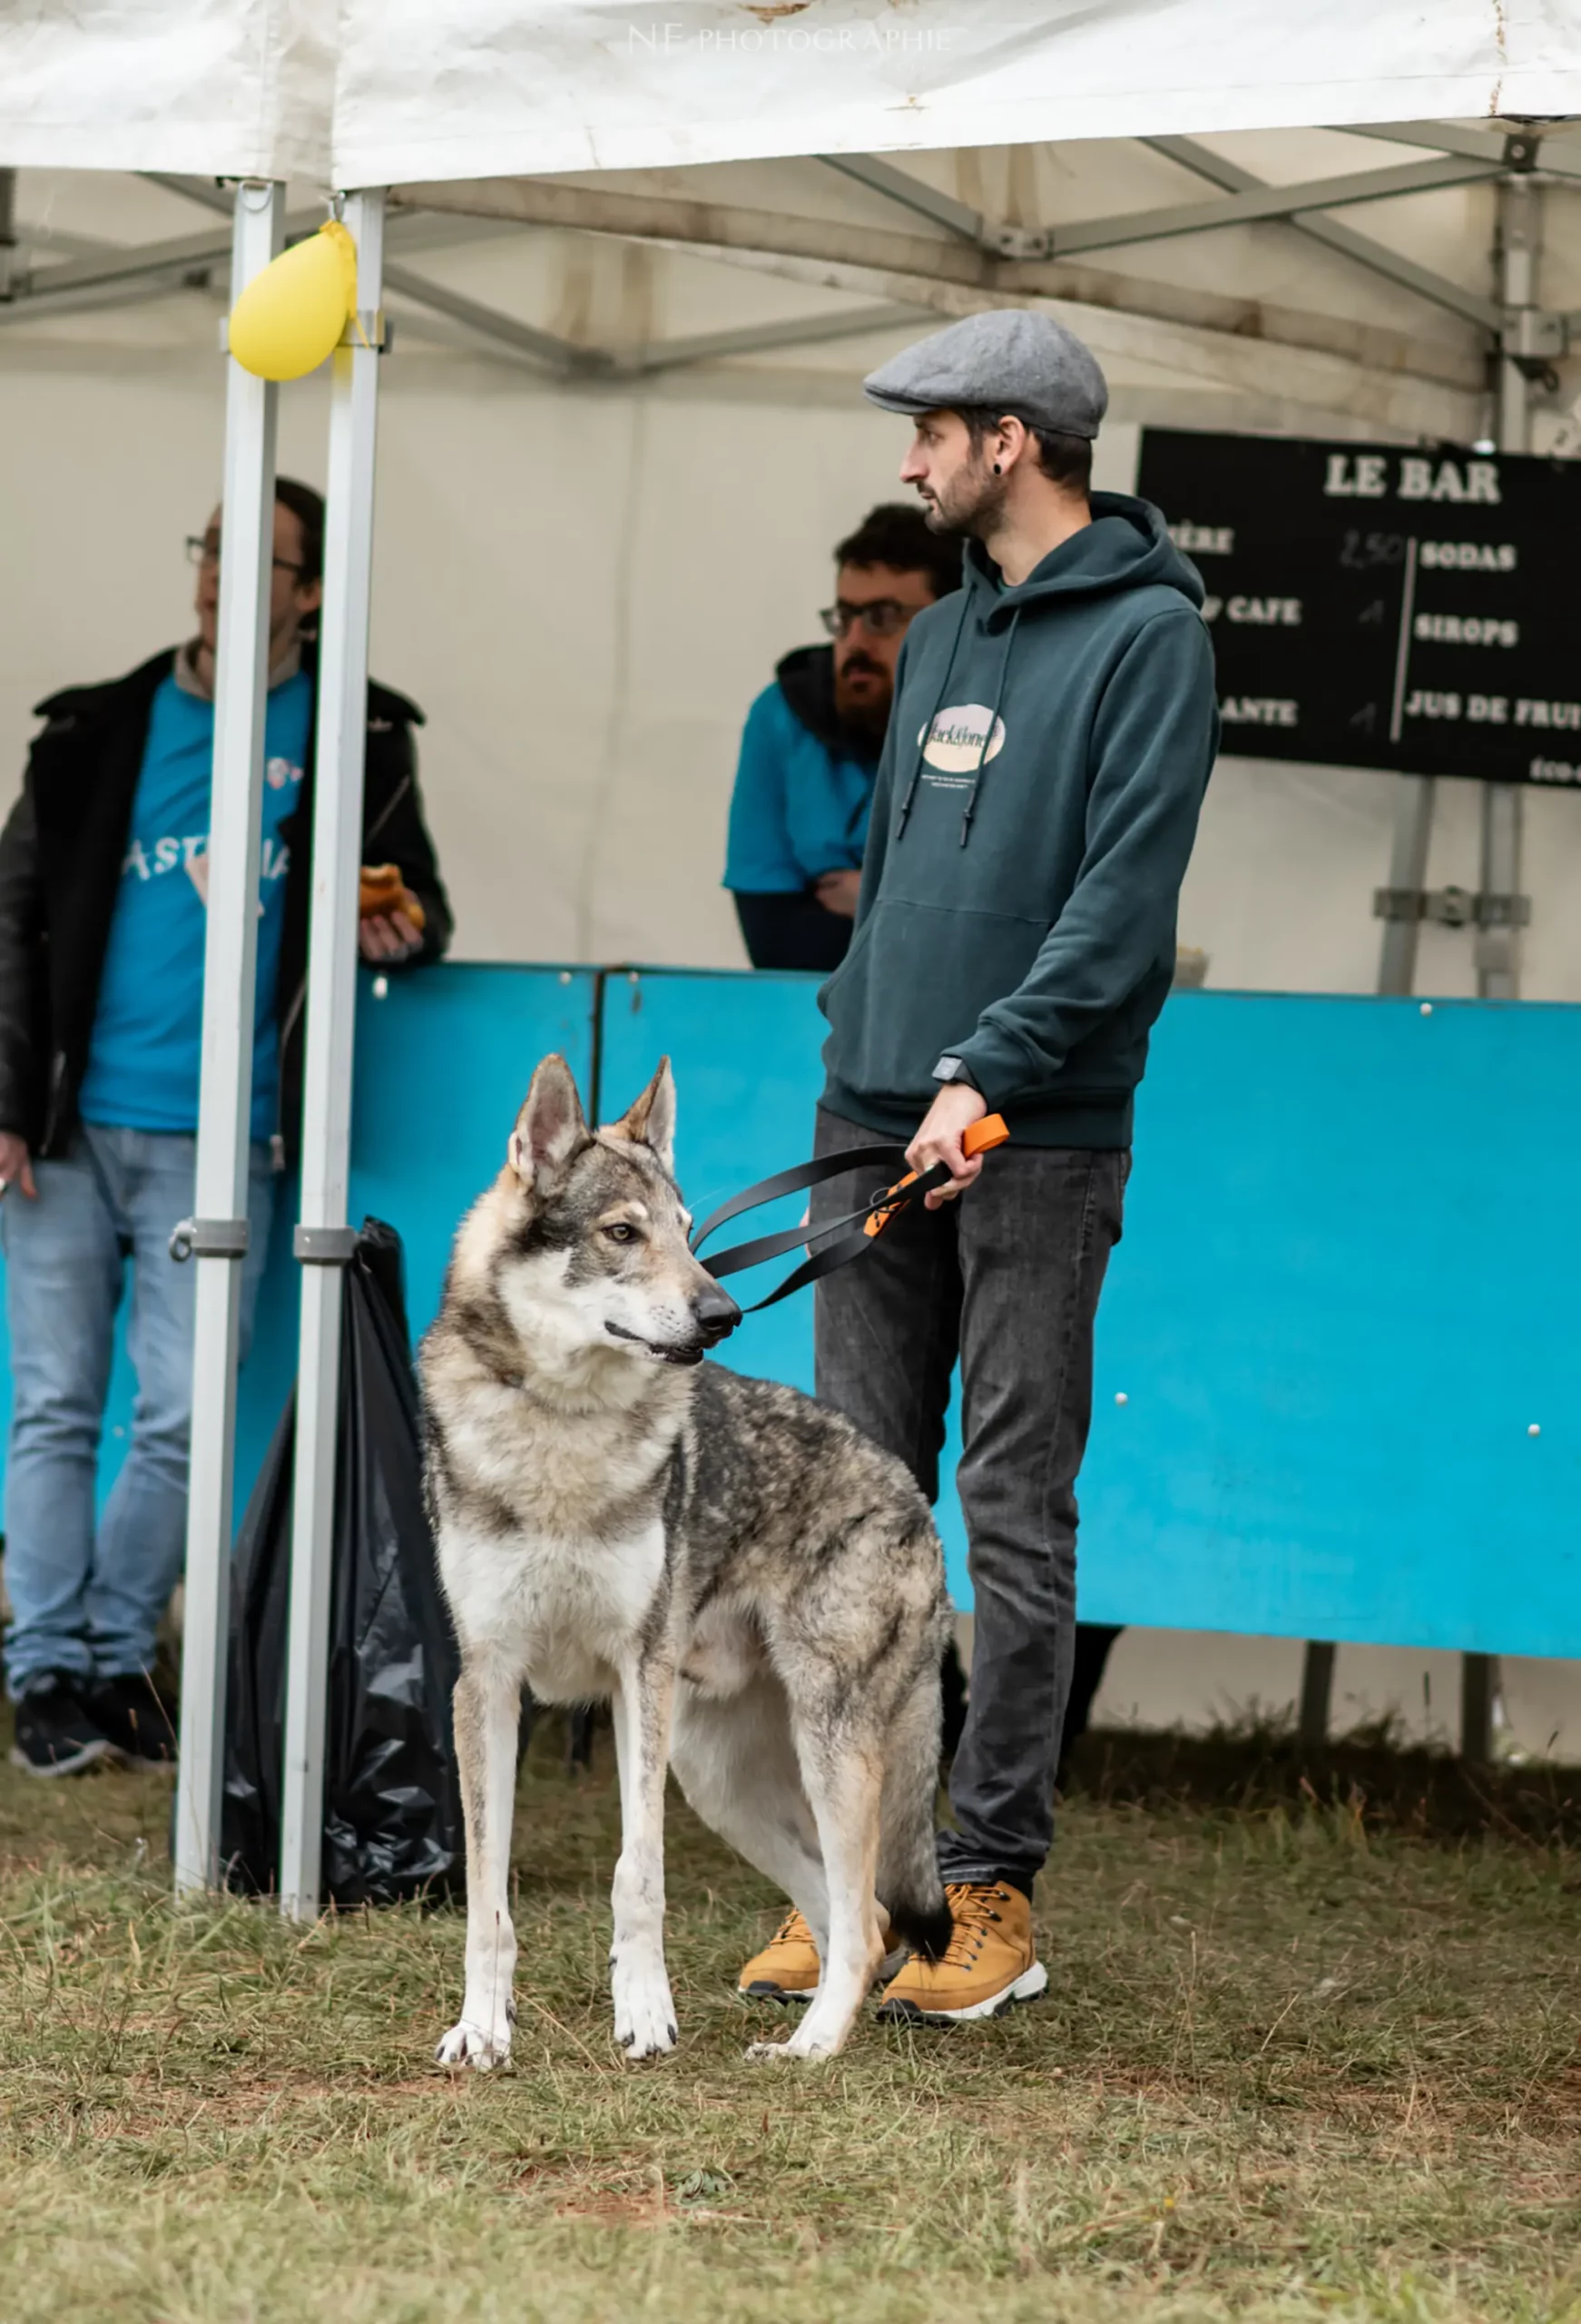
(810, 752)
(103, 889)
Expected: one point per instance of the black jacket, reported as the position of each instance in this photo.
(60, 858)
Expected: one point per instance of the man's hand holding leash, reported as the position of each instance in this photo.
(946, 1123)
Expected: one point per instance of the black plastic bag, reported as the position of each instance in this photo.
(392, 1810)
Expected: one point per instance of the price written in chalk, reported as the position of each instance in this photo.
(1362, 551)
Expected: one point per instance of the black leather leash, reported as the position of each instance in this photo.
(839, 1240)
(833, 1244)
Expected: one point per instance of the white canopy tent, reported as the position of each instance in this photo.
(376, 92)
(658, 125)
(609, 86)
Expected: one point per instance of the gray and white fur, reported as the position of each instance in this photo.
(757, 1589)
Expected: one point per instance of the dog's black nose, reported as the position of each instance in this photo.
(715, 1313)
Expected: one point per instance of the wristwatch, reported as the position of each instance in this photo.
(955, 1070)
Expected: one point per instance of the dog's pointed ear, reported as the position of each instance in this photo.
(650, 1122)
(551, 1129)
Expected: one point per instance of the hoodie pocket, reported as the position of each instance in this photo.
(854, 951)
(912, 987)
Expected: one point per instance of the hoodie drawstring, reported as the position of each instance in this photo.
(933, 714)
(971, 805)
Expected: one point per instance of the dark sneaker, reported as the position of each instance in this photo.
(131, 1711)
(55, 1736)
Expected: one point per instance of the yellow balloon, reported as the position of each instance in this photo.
(292, 316)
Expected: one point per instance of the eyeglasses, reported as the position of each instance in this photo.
(203, 551)
(880, 618)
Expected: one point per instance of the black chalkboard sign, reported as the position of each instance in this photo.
(1380, 605)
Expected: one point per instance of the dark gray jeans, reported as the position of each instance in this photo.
(1006, 1280)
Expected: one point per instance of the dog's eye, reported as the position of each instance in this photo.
(621, 1233)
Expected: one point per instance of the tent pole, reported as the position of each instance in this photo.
(1397, 970)
(1407, 875)
(218, 1230)
(1498, 947)
(9, 269)
(323, 1240)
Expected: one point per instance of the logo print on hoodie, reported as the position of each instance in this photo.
(954, 743)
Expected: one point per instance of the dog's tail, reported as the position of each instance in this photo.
(909, 1887)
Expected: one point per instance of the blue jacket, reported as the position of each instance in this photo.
(803, 794)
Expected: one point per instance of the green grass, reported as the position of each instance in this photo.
(1298, 2059)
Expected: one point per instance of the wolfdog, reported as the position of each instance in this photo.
(757, 1590)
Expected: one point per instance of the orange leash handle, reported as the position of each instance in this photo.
(979, 1137)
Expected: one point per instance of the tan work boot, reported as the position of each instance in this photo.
(990, 1966)
(787, 1969)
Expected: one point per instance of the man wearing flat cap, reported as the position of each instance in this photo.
(1054, 724)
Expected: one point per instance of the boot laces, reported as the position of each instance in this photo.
(972, 1907)
(792, 1930)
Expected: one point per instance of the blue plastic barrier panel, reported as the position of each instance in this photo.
(1344, 1320)
(443, 1063)
(1339, 1368)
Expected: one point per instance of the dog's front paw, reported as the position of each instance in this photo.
(645, 2015)
(482, 2047)
(762, 2053)
(789, 2052)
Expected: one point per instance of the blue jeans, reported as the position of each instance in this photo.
(88, 1601)
(1006, 1283)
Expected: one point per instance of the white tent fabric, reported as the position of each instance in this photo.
(494, 87)
(375, 92)
(233, 88)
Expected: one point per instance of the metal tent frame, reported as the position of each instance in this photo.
(966, 259)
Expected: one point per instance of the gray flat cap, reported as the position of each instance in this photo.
(1011, 358)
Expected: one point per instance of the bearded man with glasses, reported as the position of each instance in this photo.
(103, 885)
(810, 752)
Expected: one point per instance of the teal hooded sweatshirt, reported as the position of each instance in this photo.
(1034, 815)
